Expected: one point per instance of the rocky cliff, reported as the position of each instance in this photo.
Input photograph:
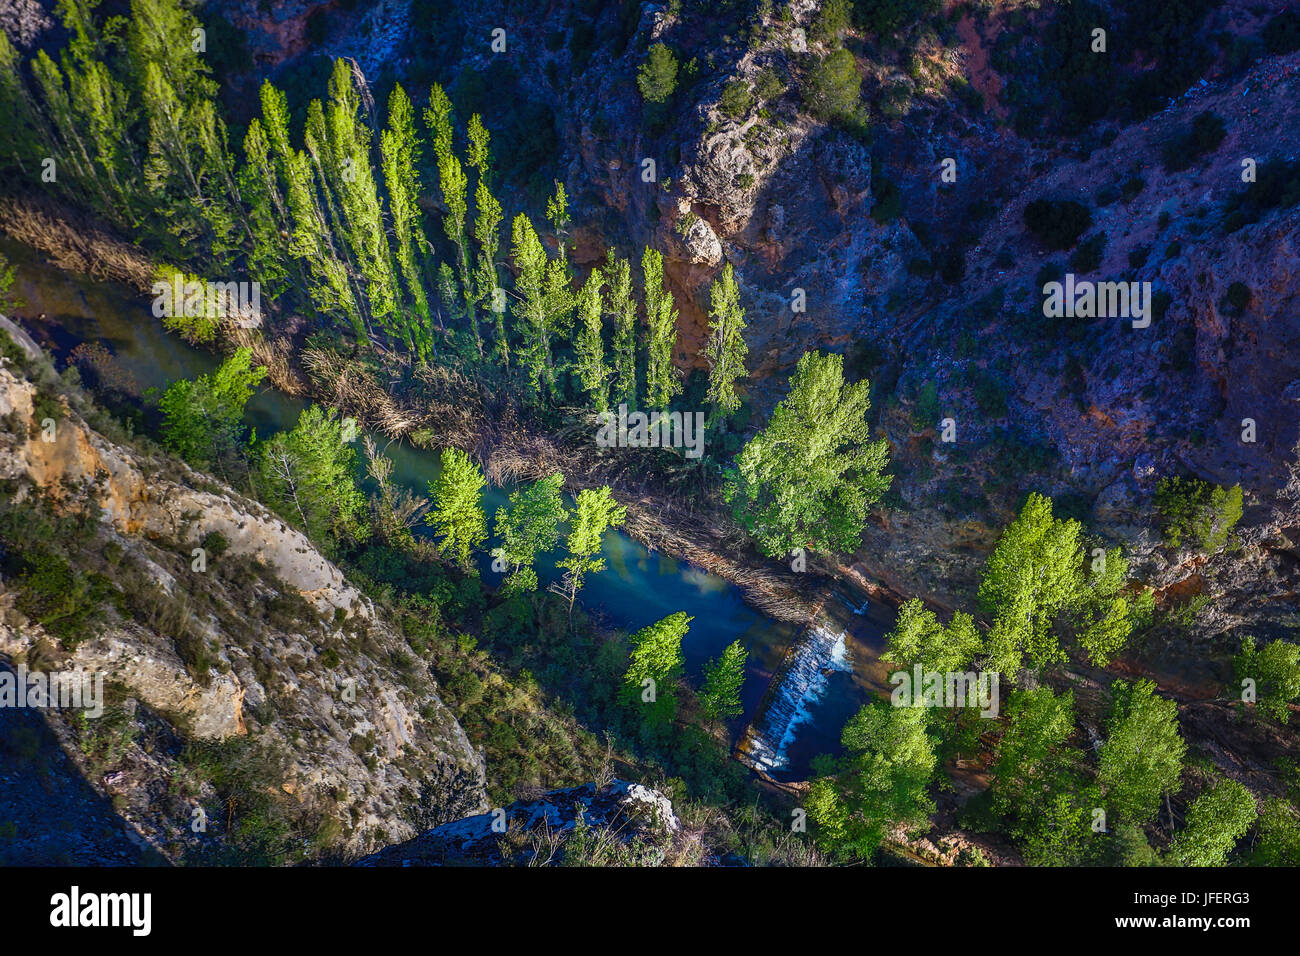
(226, 633)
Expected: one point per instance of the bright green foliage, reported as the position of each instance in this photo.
(1032, 752)
(457, 511)
(919, 638)
(309, 475)
(1106, 617)
(1275, 669)
(661, 379)
(1143, 754)
(478, 153)
(558, 303)
(530, 526)
(808, 478)
(726, 349)
(532, 322)
(590, 345)
(879, 783)
(1278, 840)
(1197, 513)
(1216, 820)
(487, 225)
(656, 78)
(656, 665)
(454, 185)
(202, 418)
(1033, 575)
(1059, 833)
(622, 311)
(399, 147)
(196, 321)
(349, 174)
(597, 512)
(557, 214)
(723, 678)
(268, 217)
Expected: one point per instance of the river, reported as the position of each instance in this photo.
(826, 674)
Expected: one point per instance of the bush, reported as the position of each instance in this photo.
(768, 85)
(736, 99)
(889, 16)
(657, 76)
(1282, 33)
(1057, 223)
(833, 86)
(1087, 258)
(1197, 512)
(1203, 135)
(1276, 185)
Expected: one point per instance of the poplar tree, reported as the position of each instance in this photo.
(596, 513)
(267, 214)
(487, 224)
(723, 679)
(530, 287)
(529, 526)
(661, 379)
(590, 346)
(457, 511)
(354, 181)
(557, 214)
(454, 184)
(726, 349)
(399, 147)
(621, 307)
(655, 666)
(308, 475)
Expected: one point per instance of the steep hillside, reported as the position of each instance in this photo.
(241, 667)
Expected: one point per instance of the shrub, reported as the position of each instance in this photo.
(1197, 512)
(1275, 669)
(1276, 185)
(833, 86)
(1057, 223)
(656, 78)
(736, 99)
(1237, 297)
(768, 85)
(1087, 258)
(1282, 33)
(1203, 135)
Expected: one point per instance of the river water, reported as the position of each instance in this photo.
(801, 687)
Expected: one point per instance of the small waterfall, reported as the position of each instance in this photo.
(798, 685)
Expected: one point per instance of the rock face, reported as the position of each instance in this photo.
(315, 678)
(537, 830)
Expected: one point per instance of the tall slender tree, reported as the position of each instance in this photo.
(726, 349)
(662, 381)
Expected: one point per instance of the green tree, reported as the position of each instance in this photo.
(919, 638)
(1032, 754)
(1197, 512)
(808, 478)
(661, 379)
(879, 783)
(1142, 757)
(621, 307)
(590, 344)
(308, 475)
(655, 666)
(399, 147)
(203, 417)
(726, 349)
(1275, 669)
(1278, 839)
(656, 78)
(833, 86)
(1033, 575)
(723, 678)
(1106, 617)
(530, 526)
(1216, 820)
(457, 511)
(454, 185)
(596, 512)
(557, 214)
(532, 318)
